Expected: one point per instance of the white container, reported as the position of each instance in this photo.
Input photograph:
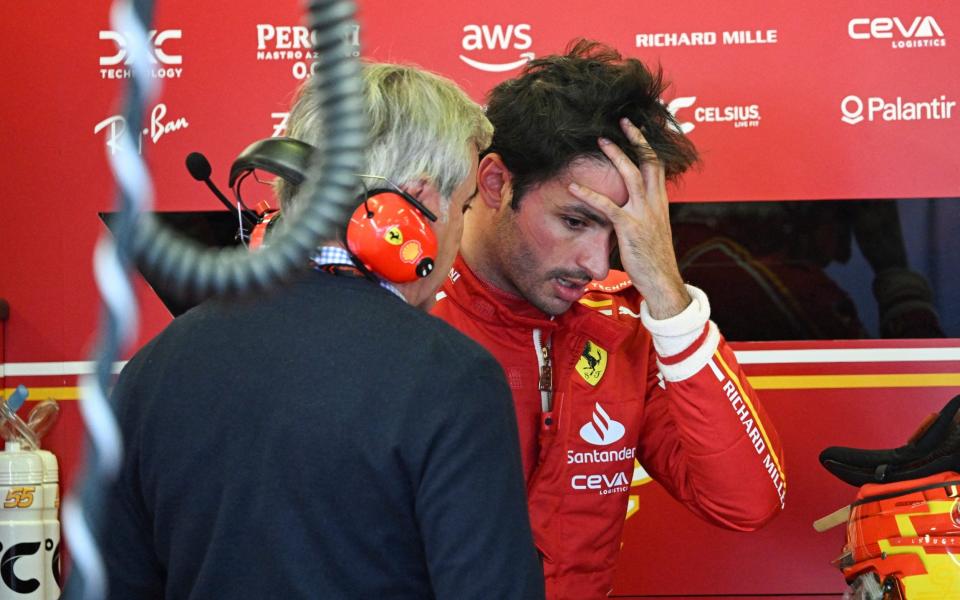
(51, 524)
(23, 557)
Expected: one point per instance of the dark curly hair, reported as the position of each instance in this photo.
(556, 109)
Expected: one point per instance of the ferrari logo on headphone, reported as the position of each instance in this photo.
(592, 363)
(394, 236)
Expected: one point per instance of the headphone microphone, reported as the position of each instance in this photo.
(200, 169)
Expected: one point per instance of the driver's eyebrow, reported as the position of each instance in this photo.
(586, 212)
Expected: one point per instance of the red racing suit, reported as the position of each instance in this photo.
(620, 386)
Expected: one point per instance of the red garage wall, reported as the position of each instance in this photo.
(786, 101)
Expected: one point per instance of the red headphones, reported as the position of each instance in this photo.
(388, 232)
(390, 235)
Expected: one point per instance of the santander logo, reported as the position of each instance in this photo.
(497, 37)
(602, 430)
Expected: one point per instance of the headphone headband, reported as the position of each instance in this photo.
(416, 203)
(285, 157)
(289, 158)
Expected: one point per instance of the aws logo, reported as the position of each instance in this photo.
(493, 40)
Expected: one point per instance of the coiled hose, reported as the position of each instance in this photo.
(184, 265)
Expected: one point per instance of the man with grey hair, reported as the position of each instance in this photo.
(328, 439)
(424, 139)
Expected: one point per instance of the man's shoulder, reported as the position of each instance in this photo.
(448, 339)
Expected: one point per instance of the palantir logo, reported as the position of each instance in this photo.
(852, 109)
(156, 54)
(497, 37)
(602, 430)
(876, 108)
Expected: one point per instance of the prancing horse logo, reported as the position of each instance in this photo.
(393, 236)
(592, 363)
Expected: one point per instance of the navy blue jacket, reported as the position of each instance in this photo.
(325, 440)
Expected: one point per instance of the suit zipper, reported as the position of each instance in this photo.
(542, 348)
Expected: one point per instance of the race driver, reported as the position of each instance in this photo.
(606, 367)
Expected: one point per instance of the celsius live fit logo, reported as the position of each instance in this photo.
(739, 115)
(162, 58)
(160, 126)
(855, 109)
(919, 32)
(486, 42)
(601, 430)
(295, 43)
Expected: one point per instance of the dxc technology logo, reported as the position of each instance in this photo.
(156, 54)
(602, 430)
(497, 37)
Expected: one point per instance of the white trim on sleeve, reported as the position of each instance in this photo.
(673, 335)
(694, 363)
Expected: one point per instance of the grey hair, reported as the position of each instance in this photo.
(421, 127)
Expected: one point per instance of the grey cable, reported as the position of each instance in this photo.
(191, 269)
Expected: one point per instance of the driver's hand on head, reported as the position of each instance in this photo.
(642, 225)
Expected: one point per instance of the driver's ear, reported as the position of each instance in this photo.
(494, 181)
